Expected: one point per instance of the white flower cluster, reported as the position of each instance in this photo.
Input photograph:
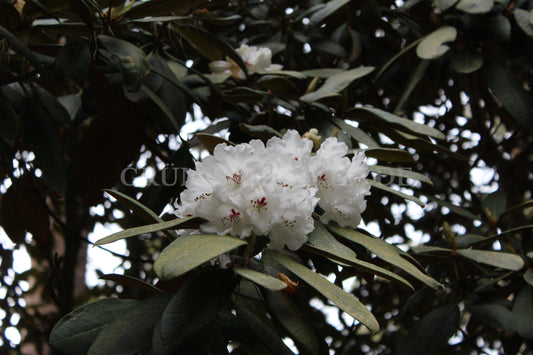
(274, 189)
(256, 59)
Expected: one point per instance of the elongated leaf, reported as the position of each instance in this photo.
(330, 8)
(466, 62)
(453, 208)
(163, 106)
(444, 5)
(508, 89)
(132, 332)
(414, 79)
(76, 331)
(130, 281)
(523, 312)
(263, 132)
(156, 227)
(162, 7)
(291, 73)
(395, 192)
(322, 239)
(322, 72)
(210, 46)
(345, 301)
(424, 249)
(293, 319)
(336, 83)
(402, 122)
(390, 154)
(432, 46)
(385, 251)
(475, 6)
(528, 276)
(494, 315)
(21, 48)
(357, 133)
(356, 263)
(265, 334)
(188, 252)
(385, 170)
(210, 141)
(430, 335)
(135, 206)
(499, 259)
(265, 280)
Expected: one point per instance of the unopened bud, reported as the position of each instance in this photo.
(315, 137)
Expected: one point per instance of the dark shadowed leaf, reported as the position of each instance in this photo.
(8, 121)
(494, 315)
(190, 251)
(76, 331)
(130, 281)
(466, 62)
(162, 7)
(131, 333)
(508, 89)
(404, 173)
(384, 187)
(494, 204)
(193, 308)
(430, 335)
(389, 154)
(210, 141)
(293, 319)
(444, 5)
(345, 301)
(358, 134)
(330, 8)
(21, 48)
(73, 61)
(523, 312)
(455, 209)
(522, 19)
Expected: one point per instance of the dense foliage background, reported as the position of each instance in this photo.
(88, 88)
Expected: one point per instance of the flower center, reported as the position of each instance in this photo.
(234, 215)
(322, 177)
(235, 179)
(260, 203)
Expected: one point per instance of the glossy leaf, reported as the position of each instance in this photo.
(336, 83)
(384, 251)
(429, 336)
(494, 315)
(262, 279)
(322, 239)
(210, 141)
(131, 333)
(156, 227)
(190, 251)
(432, 46)
(466, 62)
(76, 331)
(523, 312)
(345, 301)
(499, 259)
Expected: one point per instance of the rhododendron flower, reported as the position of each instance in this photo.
(256, 59)
(273, 190)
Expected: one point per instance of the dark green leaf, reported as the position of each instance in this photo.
(265, 334)
(453, 208)
(76, 331)
(322, 239)
(345, 301)
(193, 308)
(466, 62)
(162, 7)
(132, 332)
(293, 319)
(8, 121)
(73, 61)
(395, 192)
(190, 251)
(494, 315)
(263, 132)
(508, 89)
(494, 204)
(429, 336)
(358, 134)
(163, 107)
(444, 5)
(522, 19)
(210, 141)
(389, 154)
(409, 174)
(21, 48)
(523, 312)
